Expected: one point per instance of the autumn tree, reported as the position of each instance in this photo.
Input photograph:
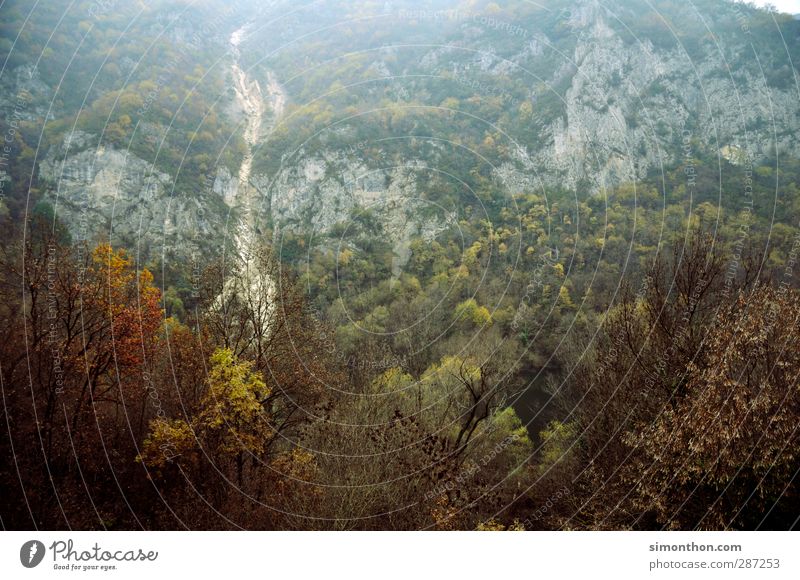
(636, 367)
(725, 455)
(82, 331)
(441, 450)
(231, 420)
(226, 449)
(256, 310)
(218, 464)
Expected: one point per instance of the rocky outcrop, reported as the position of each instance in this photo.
(612, 109)
(226, 186)
(103, 192)
(317, 193)
(623, 106)
(629, 106)
(24, 96)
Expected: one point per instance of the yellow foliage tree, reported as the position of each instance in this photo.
(231, 421)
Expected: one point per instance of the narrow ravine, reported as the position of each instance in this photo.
(248, 97)
(254, 105)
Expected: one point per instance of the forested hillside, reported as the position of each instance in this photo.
(365, 265)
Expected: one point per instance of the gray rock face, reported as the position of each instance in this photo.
(317, 193)
(226, 186)
(626, 106)
(303, 194)
(103, 192)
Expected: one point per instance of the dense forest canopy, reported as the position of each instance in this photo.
(395, 265)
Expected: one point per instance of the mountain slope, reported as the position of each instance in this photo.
(413, 116)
